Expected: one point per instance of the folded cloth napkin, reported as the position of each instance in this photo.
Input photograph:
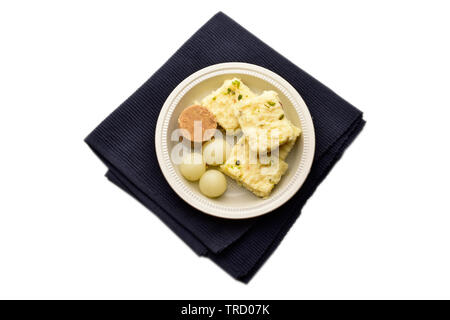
(125, 140)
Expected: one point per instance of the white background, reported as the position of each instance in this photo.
(378, 227)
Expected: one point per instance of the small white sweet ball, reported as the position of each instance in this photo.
(213, 183)
(192, 166)
(215, 152)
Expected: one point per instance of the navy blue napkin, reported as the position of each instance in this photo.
(124, 141)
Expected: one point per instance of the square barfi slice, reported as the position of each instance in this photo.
(221, 101)
(262, 119)
(245, 167)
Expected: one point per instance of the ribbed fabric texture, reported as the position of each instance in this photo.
(124, 141)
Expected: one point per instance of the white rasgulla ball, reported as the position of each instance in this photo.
(213, 183)
(192, 166)
(215, 152)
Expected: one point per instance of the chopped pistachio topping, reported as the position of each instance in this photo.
(240, 97)
(230, 91)
(271, 103)
(236, 83)
(281, 117)
(214, 98)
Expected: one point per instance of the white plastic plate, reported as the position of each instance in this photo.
(237, 202)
